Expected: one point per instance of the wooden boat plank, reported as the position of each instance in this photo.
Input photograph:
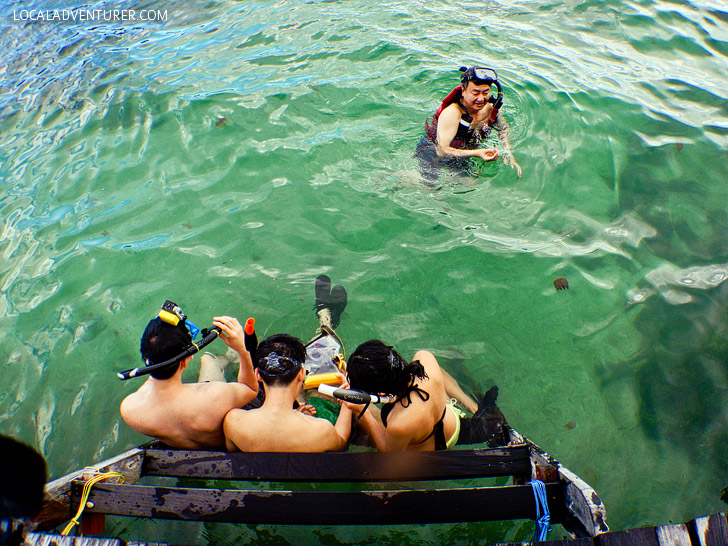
(315, 508)
(643, 536)
(673, 535)
(587, 541)
(38, 539)
(56, 502)
(589, 514)
(584, 503)
(710, 530)
(349, 467)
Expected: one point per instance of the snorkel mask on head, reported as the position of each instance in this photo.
(172, 314)
(483, 76)
(273, 364)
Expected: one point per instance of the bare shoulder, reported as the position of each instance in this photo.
(423, 355)
(128, 405)
(430, 363)
(221, 388)
(452, 112)
(132, 403)
(233, 418)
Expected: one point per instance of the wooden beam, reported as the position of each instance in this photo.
(37, 539)
(566, 542)
(345, 467)
(644, 536)
(56, 502)
(322, 507)
(673, 535)
(709, 530)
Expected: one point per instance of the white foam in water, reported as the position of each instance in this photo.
(667, 276)
(43, 421)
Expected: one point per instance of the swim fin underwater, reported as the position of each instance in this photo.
(488, 424)
(330, 303)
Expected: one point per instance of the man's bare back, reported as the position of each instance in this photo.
(190, 416)
(275, 426)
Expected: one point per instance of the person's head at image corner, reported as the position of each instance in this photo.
(21, 489)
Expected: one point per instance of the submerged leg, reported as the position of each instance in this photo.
(453, 390)
(212, 368)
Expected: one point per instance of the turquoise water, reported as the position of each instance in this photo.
(225, 156)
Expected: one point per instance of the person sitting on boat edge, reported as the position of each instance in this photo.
(187, 415)
(461, 123)
(424, 415)
(275, 426)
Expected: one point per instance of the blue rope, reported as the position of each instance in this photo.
(543, 521)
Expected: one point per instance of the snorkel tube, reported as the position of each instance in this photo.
(498, 102)
(355, 397)
(172, 314)
(209, 336)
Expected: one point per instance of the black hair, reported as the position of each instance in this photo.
(282, 367)
(469, 76)
(162, 341)
(21, 489)
(375, 367)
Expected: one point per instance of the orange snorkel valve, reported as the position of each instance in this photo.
(251, 340)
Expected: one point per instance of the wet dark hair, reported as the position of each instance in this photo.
(375, 367)
(280, 358)
(162, 341)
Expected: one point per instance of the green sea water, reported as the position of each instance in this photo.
(226, 155)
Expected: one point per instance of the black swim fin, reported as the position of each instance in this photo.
(487, 402)
(337, 304)
(334, 300)
(322, 289)
(487, 425)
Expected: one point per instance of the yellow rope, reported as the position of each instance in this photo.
(85, 494)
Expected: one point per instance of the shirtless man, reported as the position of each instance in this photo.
(275, 426)
(187, 415)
